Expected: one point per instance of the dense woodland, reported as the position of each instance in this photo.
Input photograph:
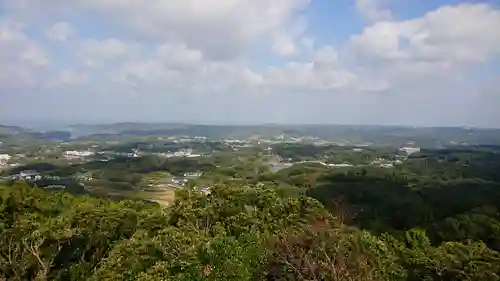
(436, 217)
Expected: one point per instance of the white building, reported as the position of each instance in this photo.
(194, 155)
(4, 158)
(342, 165)
(193, 175)
(204, 189)
(410, 150)
(73, 153)
(28, 173)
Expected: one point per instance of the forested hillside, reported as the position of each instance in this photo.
(435, 216)
(240, 233)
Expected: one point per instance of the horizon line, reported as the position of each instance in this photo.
(99, 123)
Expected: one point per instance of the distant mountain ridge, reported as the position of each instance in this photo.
(20, 132)
(391, 135)
(380, 135)
(12, 130)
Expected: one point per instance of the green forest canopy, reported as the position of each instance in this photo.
(434, 218)
(236, 233)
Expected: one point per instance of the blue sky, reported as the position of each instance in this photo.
(401, 62)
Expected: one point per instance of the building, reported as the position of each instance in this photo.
(204, 189)
(193, 175)
(83, 176)
(194, 155)
(410, 150)
(179, 181)
(55, 186)
(78, 154)
(4, 158)
(28, 174)
(342, 165)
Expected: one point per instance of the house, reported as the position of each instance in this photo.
(55, 186)
(204, 189)
(83, 176)
(193, 175)
(4, 158)
(77, 154)
(28, 174)
(341, 165)
(194, 155)
(179, 181)
(410, 150)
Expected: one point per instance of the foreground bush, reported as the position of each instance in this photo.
(236, 233)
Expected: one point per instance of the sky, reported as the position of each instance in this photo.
(387, 62)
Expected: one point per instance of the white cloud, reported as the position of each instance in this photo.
(105, 49)
(68, 78)
(308, 44)
(220, 28)
(373, 85)
(22, 60)
(34, 55)
(15, 77)
(60, 32)
(373, 10)
(97, 53)
(286, 42)
(176, 55)
(326, 54)
(16, 47)
(192, 76)
(456, 34)
(284, 45)
(432, 53)
(146, 74)
(309, 76)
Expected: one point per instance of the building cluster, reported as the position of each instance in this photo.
(83, 176)
(181, 182)
(193, 175)
(32, 175)
(178, 182)
(4, 158)
(181, 153)
(410, 150)
(72, 154)
(106, 156)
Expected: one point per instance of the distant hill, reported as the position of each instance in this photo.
(23, 133)
(117, 128)
(380, 135)
(377, 135)
(52, 135)
(12, 130)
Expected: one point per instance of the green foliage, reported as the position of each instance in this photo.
(302, 223)
(235, 233)
(449, 261)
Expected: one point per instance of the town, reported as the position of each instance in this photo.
(57, 165)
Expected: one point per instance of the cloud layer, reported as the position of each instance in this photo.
(247, 61)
